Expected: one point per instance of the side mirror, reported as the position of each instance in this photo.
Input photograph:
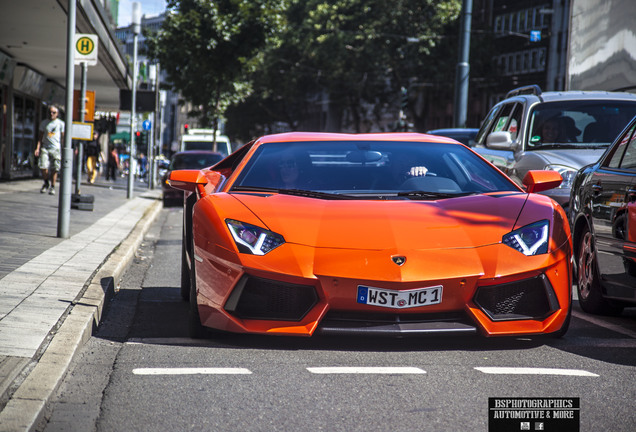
(501, 140)
(186, 180)
(541, 180)
(189, 180)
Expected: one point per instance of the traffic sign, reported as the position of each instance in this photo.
(146, 125)
(82, 131)
(86, 49)
(535, 35)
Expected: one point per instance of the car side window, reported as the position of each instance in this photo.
(629, 159)
(486, 126)
(624, 155)
(502, 121)
(515, 121)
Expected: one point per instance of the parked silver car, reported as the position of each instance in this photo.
(561, 131)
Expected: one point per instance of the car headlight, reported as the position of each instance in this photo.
(566, 172)
(529, 240)
(251, 239)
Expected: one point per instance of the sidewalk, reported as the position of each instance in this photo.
(52, 290)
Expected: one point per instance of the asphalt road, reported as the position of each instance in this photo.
(141, 372)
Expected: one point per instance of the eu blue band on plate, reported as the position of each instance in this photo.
(363, 293)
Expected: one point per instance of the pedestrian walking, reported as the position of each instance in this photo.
(93, 155)
(49, 149)
(143, 166)
(112, 164)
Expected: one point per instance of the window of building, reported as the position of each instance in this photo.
(24, 133)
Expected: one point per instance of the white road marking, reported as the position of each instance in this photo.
(599, 322)
(365, 370)
(191, 371)
(534, 371)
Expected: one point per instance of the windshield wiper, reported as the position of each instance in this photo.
(253, 189)
(296, 192)
(558, 146)
(431, 195)
(313, 194)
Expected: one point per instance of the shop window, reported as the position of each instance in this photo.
(24, 134)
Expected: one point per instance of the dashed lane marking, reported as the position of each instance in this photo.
(365, 370)
(191, 371)
(534, 371)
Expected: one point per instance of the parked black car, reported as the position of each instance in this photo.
(603, 221)
(194, 159)
(463, 135)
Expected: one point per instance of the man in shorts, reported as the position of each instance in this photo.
(49, 149)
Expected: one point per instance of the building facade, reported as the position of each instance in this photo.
(33, 36)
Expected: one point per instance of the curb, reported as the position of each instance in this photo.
(27, 406)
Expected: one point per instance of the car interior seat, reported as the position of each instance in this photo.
(593, 133)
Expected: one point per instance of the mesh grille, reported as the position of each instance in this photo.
(516, 300)
(273, 300)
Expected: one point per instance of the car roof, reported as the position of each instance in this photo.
(453, 130)
(325, 136)
(574, 95)
(193, 152)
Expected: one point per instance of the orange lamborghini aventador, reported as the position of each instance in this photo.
(379, 234)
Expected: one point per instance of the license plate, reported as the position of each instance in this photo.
(399, 299)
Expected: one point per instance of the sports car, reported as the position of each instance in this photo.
(390, 234)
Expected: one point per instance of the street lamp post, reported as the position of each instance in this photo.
(463, 67)
(136, 28)
(64, 204)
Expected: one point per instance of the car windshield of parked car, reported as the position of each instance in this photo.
(194, 160)
(371, 169)
(580, 123)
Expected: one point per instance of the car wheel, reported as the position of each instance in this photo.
(185, 273)
(197, 331)
(588, 281)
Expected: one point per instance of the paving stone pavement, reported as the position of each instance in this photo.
(52, 290)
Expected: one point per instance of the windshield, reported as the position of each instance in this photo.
(221, 146)
(370, 169)
(580, 123)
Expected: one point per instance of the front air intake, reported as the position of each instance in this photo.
(532, 298)
(265, 299)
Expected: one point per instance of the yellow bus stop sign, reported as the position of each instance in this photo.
(86, 49)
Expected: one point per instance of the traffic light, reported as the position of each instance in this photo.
(141, 141)
(185, 128)
(144, 140)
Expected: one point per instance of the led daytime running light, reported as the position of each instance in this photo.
(529, 240)
(252, 239)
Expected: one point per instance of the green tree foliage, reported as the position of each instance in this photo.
(355, 53)
(260, 62)
(209, 48)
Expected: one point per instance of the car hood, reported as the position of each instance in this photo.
(575, 158)
(462, 222)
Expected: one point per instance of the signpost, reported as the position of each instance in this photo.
(86, 49)
(535, 36)
(82, 131)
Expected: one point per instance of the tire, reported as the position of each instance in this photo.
(196, 330)
(588, 281)
(185, 273)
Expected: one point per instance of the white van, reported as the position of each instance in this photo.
(203, 139)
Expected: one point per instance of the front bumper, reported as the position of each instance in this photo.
(504, 294)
